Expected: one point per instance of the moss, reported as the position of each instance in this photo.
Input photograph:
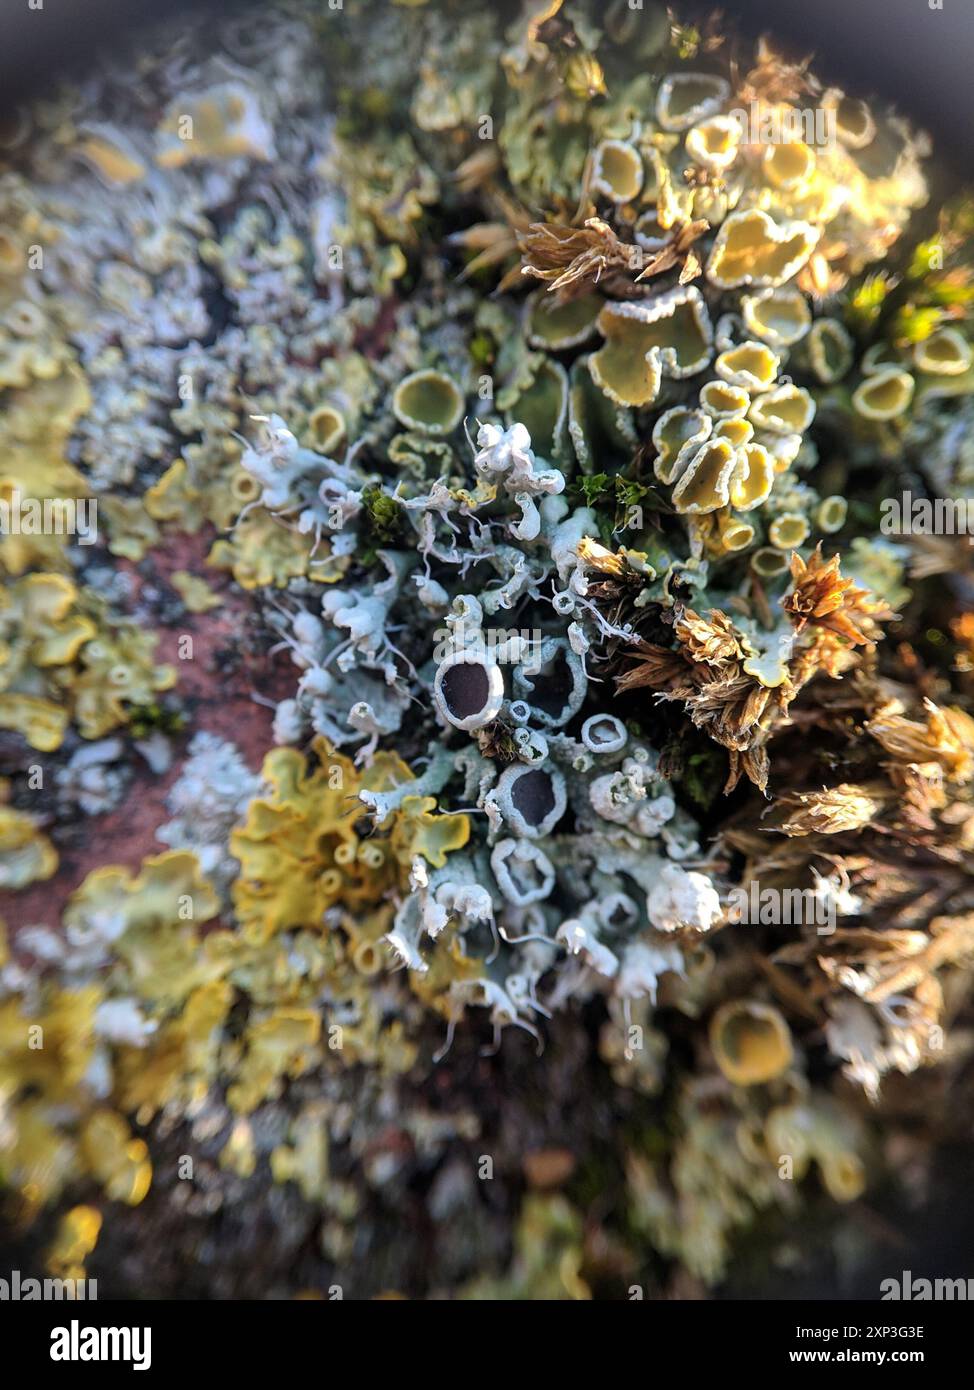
(594, 488)
(157, 717)
(703, 776)
(383, 522)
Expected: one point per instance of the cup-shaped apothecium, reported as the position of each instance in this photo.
(468, 690)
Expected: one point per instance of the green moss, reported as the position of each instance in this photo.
(593, 489)
(482, 349)
(913, 324)
(630, 493)
(703, 777)
(383, 517)
(156, 717)
(865, 304)
(686, 40)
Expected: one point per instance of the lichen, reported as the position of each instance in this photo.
(486, 460)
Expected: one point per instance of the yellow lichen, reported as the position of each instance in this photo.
(705, 483)
(714, 143)
(752, 479)
(305, 847)
(779, 317)
(785, 410)
(751, 366)
(116, 1159)
(677, 435)
(131, 530)
(789, 165)
(156, 915)
(752, 249)
(617, 171)
(35, 426)
(173, 498)
(884, 395)
(108, 156)
(945, 353)
(195, 593)
(669, 335)
(117, 670)
(262, 551)
(830, 350)
(41, 722)
(326, 429)
(282, 1044)
(688, 97)
(26, 855)
(224, 122)
(789, 530)
(77, 1236)
(751, 1042)
(428, 401)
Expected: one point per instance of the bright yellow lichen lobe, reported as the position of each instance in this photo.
(306, 847)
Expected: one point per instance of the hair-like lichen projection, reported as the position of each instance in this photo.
(537, 462)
